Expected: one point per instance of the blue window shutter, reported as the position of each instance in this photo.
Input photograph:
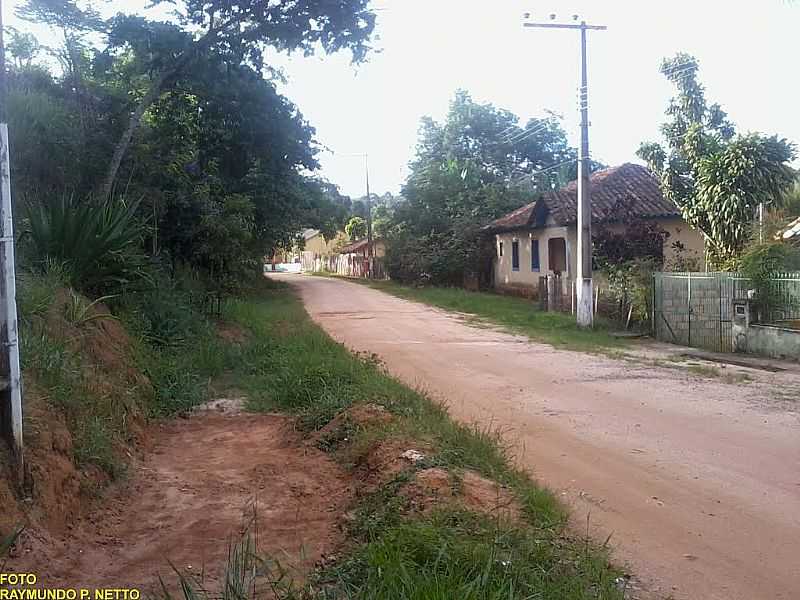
(515, 255)
(534, 255)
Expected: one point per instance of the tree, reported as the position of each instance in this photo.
(716, 177)
(222, 167)
(474, 167)
(356, 228)
(235, 30)
(23, 47)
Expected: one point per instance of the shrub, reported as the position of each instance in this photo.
(630, 284)
(95, 244)
(760, 264)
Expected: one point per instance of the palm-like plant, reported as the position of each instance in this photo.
(97, 244)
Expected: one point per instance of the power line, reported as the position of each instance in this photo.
(543, 170)
(525, 134)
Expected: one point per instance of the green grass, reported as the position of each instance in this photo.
(288, 364)
(517, 315)
(94, 419)
(291, 365)
(174, 346)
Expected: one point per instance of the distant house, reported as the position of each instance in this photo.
(360, 247)
(308, 244)
(315, 242)
(541, 237)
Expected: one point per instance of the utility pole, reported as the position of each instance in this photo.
(584, 272)
(10, 381)
(369, 213)
(368, 206)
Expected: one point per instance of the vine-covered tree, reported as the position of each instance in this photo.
(716, 177)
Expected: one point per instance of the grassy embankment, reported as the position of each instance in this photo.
(517, 315)
(291, 365)
(107, 373)
(287, 363)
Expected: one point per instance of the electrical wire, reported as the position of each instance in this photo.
(531, 176)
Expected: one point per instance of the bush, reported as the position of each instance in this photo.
(631, 286)
(761, 263)
(443, 258)
(162, 316)
(95, 244)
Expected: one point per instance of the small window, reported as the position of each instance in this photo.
(501, 249)
(534, 255)
(515, 255)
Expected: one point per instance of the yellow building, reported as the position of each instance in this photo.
(316, 243)
(541, 237)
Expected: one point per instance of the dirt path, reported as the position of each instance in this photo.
(698, 481)
(195, 494)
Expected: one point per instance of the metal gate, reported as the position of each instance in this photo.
(695, 309)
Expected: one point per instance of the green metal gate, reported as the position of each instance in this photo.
(696, 309)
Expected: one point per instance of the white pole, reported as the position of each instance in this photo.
(584, 316)
(9, 299)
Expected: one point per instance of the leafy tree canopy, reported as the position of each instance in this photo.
(221, 170)
(474, 167)
(356, 228)
(716, 177)
(235, 31)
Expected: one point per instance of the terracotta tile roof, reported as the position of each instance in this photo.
(357, 245)
(354, 246)
(519, 218)
(630, 189)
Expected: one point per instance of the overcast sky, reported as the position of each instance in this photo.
(748, 54)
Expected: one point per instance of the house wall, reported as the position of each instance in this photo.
(318, 245)
(378, 249)
(691, 239)
(505, 276)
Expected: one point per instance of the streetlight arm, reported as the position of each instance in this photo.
(565, 26)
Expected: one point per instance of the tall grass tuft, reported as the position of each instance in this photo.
(247, 576)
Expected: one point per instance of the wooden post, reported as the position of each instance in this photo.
(11, 396)
(551, 292)
(572, 298)
(543, 293)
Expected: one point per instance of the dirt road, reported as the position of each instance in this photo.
(697, 480)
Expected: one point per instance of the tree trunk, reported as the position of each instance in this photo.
(136, 118)
(148, 99)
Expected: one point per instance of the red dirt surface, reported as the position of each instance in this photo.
(474, 492)
(696, 478)
(191, 498)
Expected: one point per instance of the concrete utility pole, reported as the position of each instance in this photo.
(10, 384)
(584, 314)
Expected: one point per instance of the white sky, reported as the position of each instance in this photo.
(430, 48)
